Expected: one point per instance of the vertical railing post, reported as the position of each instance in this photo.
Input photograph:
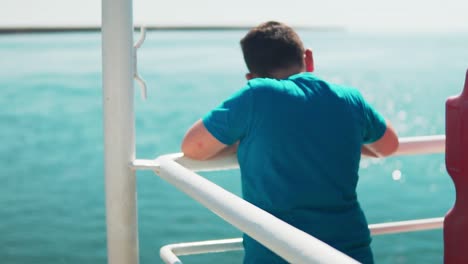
(119, 131)
(456, 161)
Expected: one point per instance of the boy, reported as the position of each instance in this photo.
(299, 140)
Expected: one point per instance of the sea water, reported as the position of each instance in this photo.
(52, 206)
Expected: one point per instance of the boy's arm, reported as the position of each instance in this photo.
(199, 144)
(385, 146)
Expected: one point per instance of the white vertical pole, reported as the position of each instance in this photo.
(119, 131)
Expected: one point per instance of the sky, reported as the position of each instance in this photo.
(365, 15)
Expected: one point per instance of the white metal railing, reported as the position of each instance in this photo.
(421, 145)
(408, 146)
(170, 252)
(257, 223)
(406, 226)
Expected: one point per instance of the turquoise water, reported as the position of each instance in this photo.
(52, 185)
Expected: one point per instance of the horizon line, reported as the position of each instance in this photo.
(64, 29)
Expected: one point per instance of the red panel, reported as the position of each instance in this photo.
(456, 162)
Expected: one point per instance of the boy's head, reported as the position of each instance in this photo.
(272, 48)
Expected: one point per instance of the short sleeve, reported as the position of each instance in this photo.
(374, 123)
(228, 122)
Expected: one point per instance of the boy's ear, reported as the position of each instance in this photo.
(249, 76)
(309, 60)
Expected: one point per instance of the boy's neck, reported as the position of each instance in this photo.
(285, 73)
(278, 74)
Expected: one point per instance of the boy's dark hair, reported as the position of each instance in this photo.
(272, 46)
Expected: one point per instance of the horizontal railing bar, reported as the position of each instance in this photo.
(407, 226)
(408, 146)
(292, 244)
(145, 164)
(421, 145)
(170, 252)
(223, 245)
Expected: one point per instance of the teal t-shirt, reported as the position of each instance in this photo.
(299, 153)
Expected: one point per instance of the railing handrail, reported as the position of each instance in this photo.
(170, 252)
(406, 226)
(408, 146)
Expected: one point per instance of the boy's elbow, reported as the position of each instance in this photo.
(387, 145)
(390, 148)
(391, 144)
(396, 145)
